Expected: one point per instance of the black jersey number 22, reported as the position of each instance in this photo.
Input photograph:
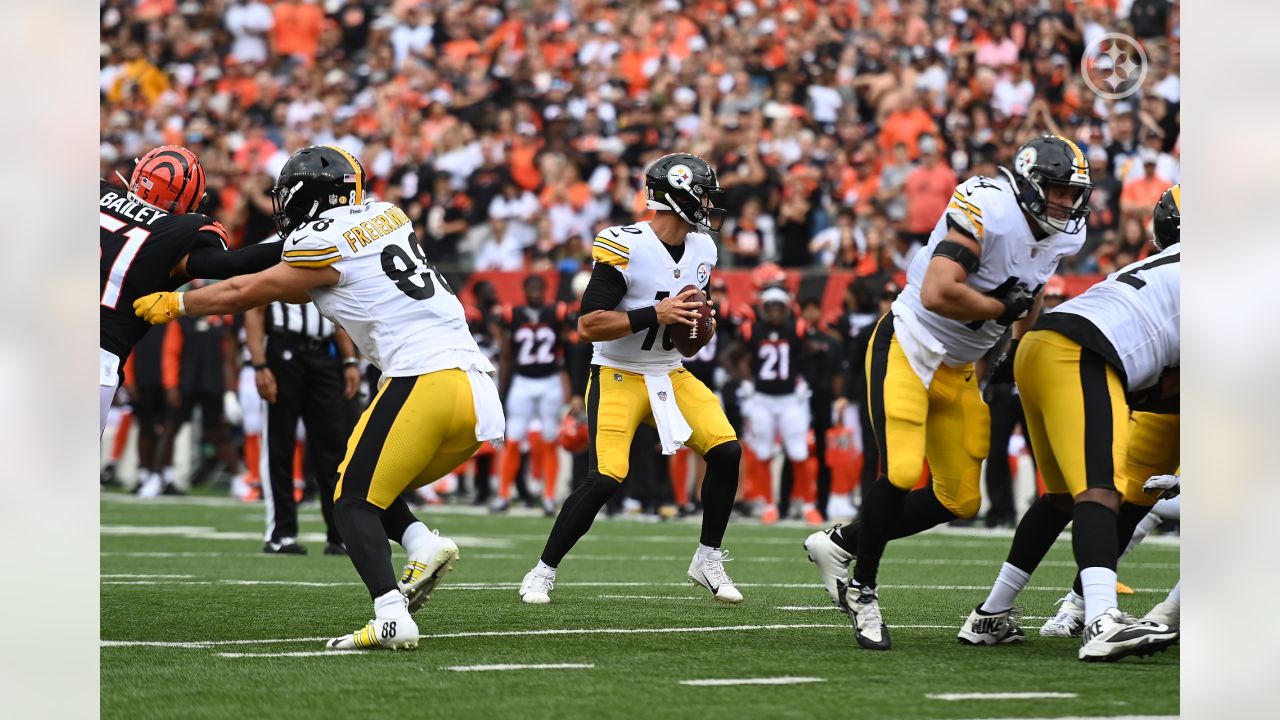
(403, 271)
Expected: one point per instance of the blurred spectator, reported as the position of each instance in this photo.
(928, 189)
(1143, 189)
(296, 33)
(249, 21)
(749, 238)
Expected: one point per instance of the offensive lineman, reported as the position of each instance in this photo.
(628, 310)
(987, 259)
(151, 238)
(1078, 372)
(359, 262)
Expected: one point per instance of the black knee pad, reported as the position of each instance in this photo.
(728, 454)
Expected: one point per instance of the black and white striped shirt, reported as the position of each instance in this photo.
(302, 319)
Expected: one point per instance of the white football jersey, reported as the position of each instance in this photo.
(395, 305)
(986, 209)
(1137, 310)
(651, 275)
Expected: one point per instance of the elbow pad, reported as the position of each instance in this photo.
(953, 250)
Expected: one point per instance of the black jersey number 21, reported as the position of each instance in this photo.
(403, 270)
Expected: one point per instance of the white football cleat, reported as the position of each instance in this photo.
(832, 561)
(1069, 622)
(152, 487)
(864, 612)
(707, 570)
(990, 628)
(396, 633)
(537, 585)
(1113, 635)
(1165, 613)
(425, 569)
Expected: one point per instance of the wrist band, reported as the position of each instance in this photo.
(643, 318)
(350, 361)
(259, 366)
(182, 306)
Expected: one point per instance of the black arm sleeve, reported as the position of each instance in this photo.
(605, 290)
(215, 263)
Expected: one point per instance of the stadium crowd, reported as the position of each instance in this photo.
(511, 131)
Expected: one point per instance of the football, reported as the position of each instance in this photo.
(689, 340)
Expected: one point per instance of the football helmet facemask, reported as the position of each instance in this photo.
(1166, 219)
(313, 180)
(686, 185)
(1045, 162)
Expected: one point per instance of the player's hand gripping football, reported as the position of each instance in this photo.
(159, 308)
(1167, 485)
(679, 308)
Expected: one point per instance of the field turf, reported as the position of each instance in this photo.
(197, 623)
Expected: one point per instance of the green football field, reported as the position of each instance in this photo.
(197, 623)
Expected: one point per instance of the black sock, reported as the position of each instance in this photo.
(361, 526)
(1093, 535)
(847, 536)
(880, 513)
(332, 534)
(920, 511)
(1036, 533)
(719, 487)
(576, 515)
(397, 518)
(1126, 523)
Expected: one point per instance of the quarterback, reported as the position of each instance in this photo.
(635, 298)
(359, 262)
(996, 244)
(1079, 372)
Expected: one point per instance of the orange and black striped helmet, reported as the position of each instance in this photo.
(169, 178)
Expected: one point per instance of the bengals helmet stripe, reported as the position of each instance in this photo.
(169, 178)
(359, 172)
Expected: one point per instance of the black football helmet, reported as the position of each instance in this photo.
(1043, 162)
(1166, 219)
(315, 179)
(686, 185)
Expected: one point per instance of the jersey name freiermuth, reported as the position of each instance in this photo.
(1137, 310)
(139, 246)
(535, 338)
(651, 275)
(396, 306)
(986, 210)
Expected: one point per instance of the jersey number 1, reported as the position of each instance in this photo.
(403, 270)
(120, 266)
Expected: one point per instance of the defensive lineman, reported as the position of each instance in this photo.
(628, 310)
(360, 263)
(991, 252)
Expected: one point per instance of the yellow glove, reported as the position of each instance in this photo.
(159, 308)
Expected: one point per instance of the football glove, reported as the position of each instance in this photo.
(1017, 303)
(1167, 485)
(159, 308)
(1002, 368)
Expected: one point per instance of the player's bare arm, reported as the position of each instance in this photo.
(282, 282)
(944, 290)
(602, 325)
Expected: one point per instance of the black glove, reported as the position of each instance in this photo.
(1017, 302)
(1002, 369)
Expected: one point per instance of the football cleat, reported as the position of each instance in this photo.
(770, 515)
(152, 486)
(813, 518)
(396, 633)
(1112, 636)
(537, 585)
(286, 546)
(990, 628)
(707, 570)
(864, 612)
(832, 561)
(425, 568)
(335, 548)
(1165, 613)
(499, 506)
(1069, 622)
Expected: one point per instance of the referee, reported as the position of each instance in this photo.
(304, 367)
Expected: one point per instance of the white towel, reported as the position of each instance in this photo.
(108, 368)
(673, 430)
(924, 352)
(491, 423)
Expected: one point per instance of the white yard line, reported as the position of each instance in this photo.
(546, 666)
(132, 575)
(298, 654)
(651, 597)
(605, 584)
(1002, 696)
(755, 681)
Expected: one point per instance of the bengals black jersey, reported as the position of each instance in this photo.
(775, 355)
(140, 246)
(536, 346)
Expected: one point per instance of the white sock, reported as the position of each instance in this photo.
(1004, 593)
(1099, 591)
(390, 604)
(703, 550)
(1140, 533)
(416, 537)
(168, 475)
(1175, 595)
(544, 568)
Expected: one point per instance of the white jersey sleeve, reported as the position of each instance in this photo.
(398, 309)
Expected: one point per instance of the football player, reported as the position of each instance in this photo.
(988, 257)
(360, 263)
(151, 238)
(536, 385)
(777, 402)
(629, 310)
(1074, 370)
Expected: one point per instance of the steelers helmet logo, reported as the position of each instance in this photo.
(1025, 161)
(680, 176)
